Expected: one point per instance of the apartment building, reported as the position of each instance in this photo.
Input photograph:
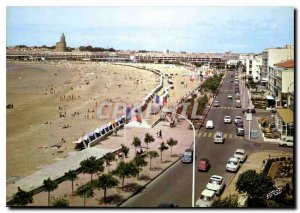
(253, 65)
(271, 56)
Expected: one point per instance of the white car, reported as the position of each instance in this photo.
(229, 96)
(216, 183)
(219, 137)
(209, 124)
(206, 199)
(233, 164)
(240, 154)
(237, 118)
(227, 120)
(287, 141)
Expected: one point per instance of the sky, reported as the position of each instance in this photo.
(189, 29)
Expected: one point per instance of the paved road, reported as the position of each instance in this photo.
(175, 184)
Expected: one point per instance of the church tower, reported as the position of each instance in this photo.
(61, 46)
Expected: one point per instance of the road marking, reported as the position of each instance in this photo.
(225, 135)
(230, 135)
(204, 134)
(200, 133)
(209, 134)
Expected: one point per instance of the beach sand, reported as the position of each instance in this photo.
(45, 95)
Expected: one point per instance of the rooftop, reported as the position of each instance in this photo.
(286, 64)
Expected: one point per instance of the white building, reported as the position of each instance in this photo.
(232, 62)
(271, 56)
(253, 67)
(281, 82)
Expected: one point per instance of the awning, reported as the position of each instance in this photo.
(286, 115)
(269, 97)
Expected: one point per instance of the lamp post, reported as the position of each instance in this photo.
(194, 156)
(250, 104)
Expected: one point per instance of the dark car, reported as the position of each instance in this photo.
(203, 164)
(239, 124)
(167, 205)
(240, 131)
(248, 110)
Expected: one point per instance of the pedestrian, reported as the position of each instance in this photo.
(160, 134)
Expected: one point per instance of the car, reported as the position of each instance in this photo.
(233, 164)
(237, 95)
(238, 103)
(237, 119)
(287, 141)
(209, 124)
(231, 80)
(240, 154)
(187, 156)
(248, 110)
(240, 131)
(229, 96)
(239, 124)
(227, 119)
(167, 205)
(216, 183)
(203, 164)
(206, 199)
(219, 137)
(216, 103)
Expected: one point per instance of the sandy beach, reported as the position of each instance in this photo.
(55, 103)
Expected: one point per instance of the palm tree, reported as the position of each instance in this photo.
(124, 150)
(171, 142)
(109, 157)
(140, 161)
(91, 166)
(85, 191)
(49, 186)
(148, 139)
(71, 175)
(126, 170)
(22, 198)
(152, 154)
(162, 148)
(106, 181)
(136, 143)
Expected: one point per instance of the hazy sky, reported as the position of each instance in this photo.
(191, 29)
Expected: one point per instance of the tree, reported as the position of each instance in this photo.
(126, 170)
(105, 182)
(49, 186)
(256, 185)
(136, 143)
(152, 154)
(60, 202)
(171, 142)
(162, 148)
(22, 198)
(85, 191)
(91, 166)
(230, 201)
(148, 139)
(109, 157)
(140, 161)
(71, 175)
(124, 150)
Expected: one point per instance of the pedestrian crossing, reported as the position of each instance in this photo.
(224, 107)
(226, 90)
(226, 135)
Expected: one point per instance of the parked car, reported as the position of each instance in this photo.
(167, 205)
(209, 124)
(287, 141)
(233, 164)
(203, 164)
(227, 119)
(240, 154)
(206, 199)
(240, 131)
(216, 103)
(219, 137)
(237, 95)
(229, 96)
(248, 110)
(238, 103)
(187, 156)
(239, 124)
(216, 183)
(237, 119)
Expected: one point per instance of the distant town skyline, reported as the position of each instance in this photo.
(189, 29)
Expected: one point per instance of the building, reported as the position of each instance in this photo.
(61, 46)
(271, 56)
(281, 82)
(253, 67)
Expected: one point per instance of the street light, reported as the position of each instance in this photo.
(250, 104)
(194, 156)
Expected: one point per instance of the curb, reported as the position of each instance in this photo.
(144, 186)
